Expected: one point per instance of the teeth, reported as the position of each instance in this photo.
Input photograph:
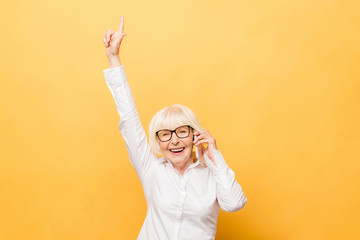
(177, 150)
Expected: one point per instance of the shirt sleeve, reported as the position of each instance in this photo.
(140, 154)
(229, 193)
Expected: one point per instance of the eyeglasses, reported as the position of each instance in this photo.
(165, 135)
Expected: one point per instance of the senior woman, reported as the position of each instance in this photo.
(183, 194)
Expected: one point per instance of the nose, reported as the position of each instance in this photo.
(174, 138)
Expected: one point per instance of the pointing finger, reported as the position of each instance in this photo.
(121, 27)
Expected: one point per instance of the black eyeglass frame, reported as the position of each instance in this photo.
(173, 131)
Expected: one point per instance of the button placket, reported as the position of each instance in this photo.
(181, 206)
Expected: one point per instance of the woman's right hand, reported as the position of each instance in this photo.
(112, 41)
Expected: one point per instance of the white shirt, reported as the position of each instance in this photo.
(178, 206)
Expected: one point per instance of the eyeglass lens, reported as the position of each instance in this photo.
(181, 132)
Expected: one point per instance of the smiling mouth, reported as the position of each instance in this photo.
(178, 150)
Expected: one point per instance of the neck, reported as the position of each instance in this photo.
(181, 167)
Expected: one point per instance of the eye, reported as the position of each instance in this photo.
(164, 133)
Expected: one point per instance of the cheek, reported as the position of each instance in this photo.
(163, 146)
(189, 144)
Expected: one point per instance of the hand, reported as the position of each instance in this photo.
(112, 40)
(205, 138)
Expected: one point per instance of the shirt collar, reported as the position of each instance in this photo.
(192, 165)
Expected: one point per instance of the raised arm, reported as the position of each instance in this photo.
(130, 126)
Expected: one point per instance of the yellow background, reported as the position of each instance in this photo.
(277, 83)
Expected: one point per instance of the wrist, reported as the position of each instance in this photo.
(114, 61)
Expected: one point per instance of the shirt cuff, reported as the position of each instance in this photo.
(220, 162)
(222, 173)
(113, 75)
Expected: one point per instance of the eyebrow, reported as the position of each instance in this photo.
(172, 129)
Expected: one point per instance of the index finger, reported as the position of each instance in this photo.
(121, 27)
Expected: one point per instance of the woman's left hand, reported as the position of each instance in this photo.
(205, 138)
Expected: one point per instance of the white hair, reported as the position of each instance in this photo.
(170, 118)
